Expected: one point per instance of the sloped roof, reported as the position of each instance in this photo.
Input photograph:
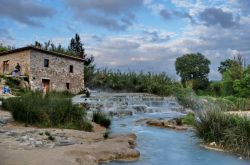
(42, 51)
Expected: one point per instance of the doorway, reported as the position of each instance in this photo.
(5, 67)
(46, 85)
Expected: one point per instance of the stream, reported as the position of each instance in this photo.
(158, 146)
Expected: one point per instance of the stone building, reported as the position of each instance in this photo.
(45, 70)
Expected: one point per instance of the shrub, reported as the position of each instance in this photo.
(102, 119)
(187, 98)
(189, 119)
(53, 110)
(230, 131)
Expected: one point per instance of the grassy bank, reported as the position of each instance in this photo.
(53, 110)
(229, 131)
(188, 98)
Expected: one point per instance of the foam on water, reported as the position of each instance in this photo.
(157, 146)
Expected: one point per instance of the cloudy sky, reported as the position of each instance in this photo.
(137, 35)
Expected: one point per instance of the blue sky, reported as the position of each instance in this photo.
(136, 35)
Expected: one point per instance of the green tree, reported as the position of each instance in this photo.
(242, 86)
(229, 76)
(225, 65)
(76, 46)
(193, 68)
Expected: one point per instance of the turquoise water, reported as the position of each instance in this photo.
(157, 146)
(160, 146)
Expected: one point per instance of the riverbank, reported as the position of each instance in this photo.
(32, 145)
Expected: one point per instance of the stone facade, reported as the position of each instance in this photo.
(62, 72)
(23, 58)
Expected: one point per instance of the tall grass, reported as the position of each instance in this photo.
(240, 103)
(53, 110)
(102, 119)
(159, 84)
(230, 131)
(188, 98)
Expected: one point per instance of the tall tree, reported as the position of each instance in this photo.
(242, 86)
(76, 46)
(233, 73)
(194, 68)
(227, 64)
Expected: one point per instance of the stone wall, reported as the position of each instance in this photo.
(58, 72)
(22, 57)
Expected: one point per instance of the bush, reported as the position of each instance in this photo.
(189, 119)
(53, 110)
(187, 98)
(230, 131)
(102, 119)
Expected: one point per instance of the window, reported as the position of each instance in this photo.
(71, 69)
(46, 63)
(67, 86)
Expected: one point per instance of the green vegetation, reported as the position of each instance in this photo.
(239, 103)
(188, 98)
(5, 48)
(102, 119)
(15, 84)
(53, 110)
(194, 69)
(75, 48)
(235, 79)
(188, 119)
(229, 131)
(159, 84)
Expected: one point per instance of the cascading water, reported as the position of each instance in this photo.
(157, 146)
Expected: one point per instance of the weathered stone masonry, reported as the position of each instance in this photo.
(23, 58)
(57, 73)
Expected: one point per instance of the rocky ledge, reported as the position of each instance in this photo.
(164, 123)
(38, 146)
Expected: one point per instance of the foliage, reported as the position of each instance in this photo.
(189, 119)
(14, 84)
(242, 86)
(187, 98)
(102, 119)
(76, 46)
(5, 48)
(230, 131)
(159, 84)
(240, 103)
(216, 88)
(53, 110)
(50, 46)
(227, 64)
(193, 68)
